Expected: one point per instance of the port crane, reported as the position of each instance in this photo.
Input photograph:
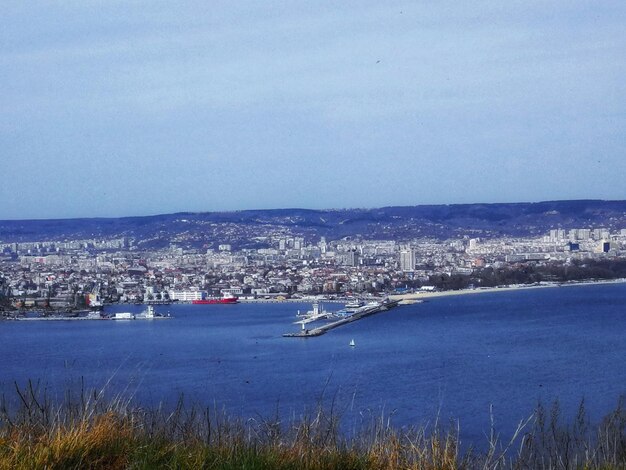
(94, 300)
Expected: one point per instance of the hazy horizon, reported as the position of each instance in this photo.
(330, 209)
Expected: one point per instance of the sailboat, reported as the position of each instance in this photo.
(352, 343)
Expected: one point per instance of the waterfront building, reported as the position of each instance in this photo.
(186, 295)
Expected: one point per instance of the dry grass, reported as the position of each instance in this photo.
(88, 432)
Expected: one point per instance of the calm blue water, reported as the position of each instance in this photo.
(452, 357)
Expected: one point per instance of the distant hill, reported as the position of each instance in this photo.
(250, 227)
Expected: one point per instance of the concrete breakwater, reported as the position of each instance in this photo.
(343, 321)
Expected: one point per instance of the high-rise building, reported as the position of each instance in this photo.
(557, 235)
(407, 259)
(348, 258)
(473, 244)
(600, 234)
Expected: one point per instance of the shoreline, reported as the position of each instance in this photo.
(480, 290)
(412, 297)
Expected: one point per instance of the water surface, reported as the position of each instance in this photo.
(451, 357)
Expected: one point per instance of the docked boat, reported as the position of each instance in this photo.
(351, 307)
(354, 304)
(123, 316)
(225, 299)
(148, 314)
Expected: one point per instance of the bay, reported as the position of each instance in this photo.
(451, 358)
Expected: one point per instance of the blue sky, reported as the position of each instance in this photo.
(114, 108)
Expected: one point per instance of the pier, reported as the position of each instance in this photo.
(343, 321)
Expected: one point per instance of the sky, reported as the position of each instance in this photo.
(117, 108)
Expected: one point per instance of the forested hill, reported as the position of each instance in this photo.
(249, 227)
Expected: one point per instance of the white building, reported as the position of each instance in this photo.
(407, 259)
(185, 295)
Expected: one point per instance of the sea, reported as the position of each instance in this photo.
(460, 360)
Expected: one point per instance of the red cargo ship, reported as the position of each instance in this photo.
(226, 299)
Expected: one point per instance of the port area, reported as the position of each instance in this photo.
(55, 318)
(98, 318)
(89, 318)
(362, 313)
(148, 314)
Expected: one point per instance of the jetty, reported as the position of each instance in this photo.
(364, 312)
(148, 314)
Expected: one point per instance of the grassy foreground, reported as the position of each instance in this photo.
(87, 431)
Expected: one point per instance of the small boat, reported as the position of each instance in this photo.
(352, 343)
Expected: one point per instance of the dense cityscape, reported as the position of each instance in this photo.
(71, 274)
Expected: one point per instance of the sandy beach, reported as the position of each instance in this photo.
(423, 295)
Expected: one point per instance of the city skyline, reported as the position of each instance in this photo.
(123, 109)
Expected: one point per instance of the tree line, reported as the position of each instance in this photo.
(578, 270)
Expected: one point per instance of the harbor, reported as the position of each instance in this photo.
(359, 313)
(148, 314)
